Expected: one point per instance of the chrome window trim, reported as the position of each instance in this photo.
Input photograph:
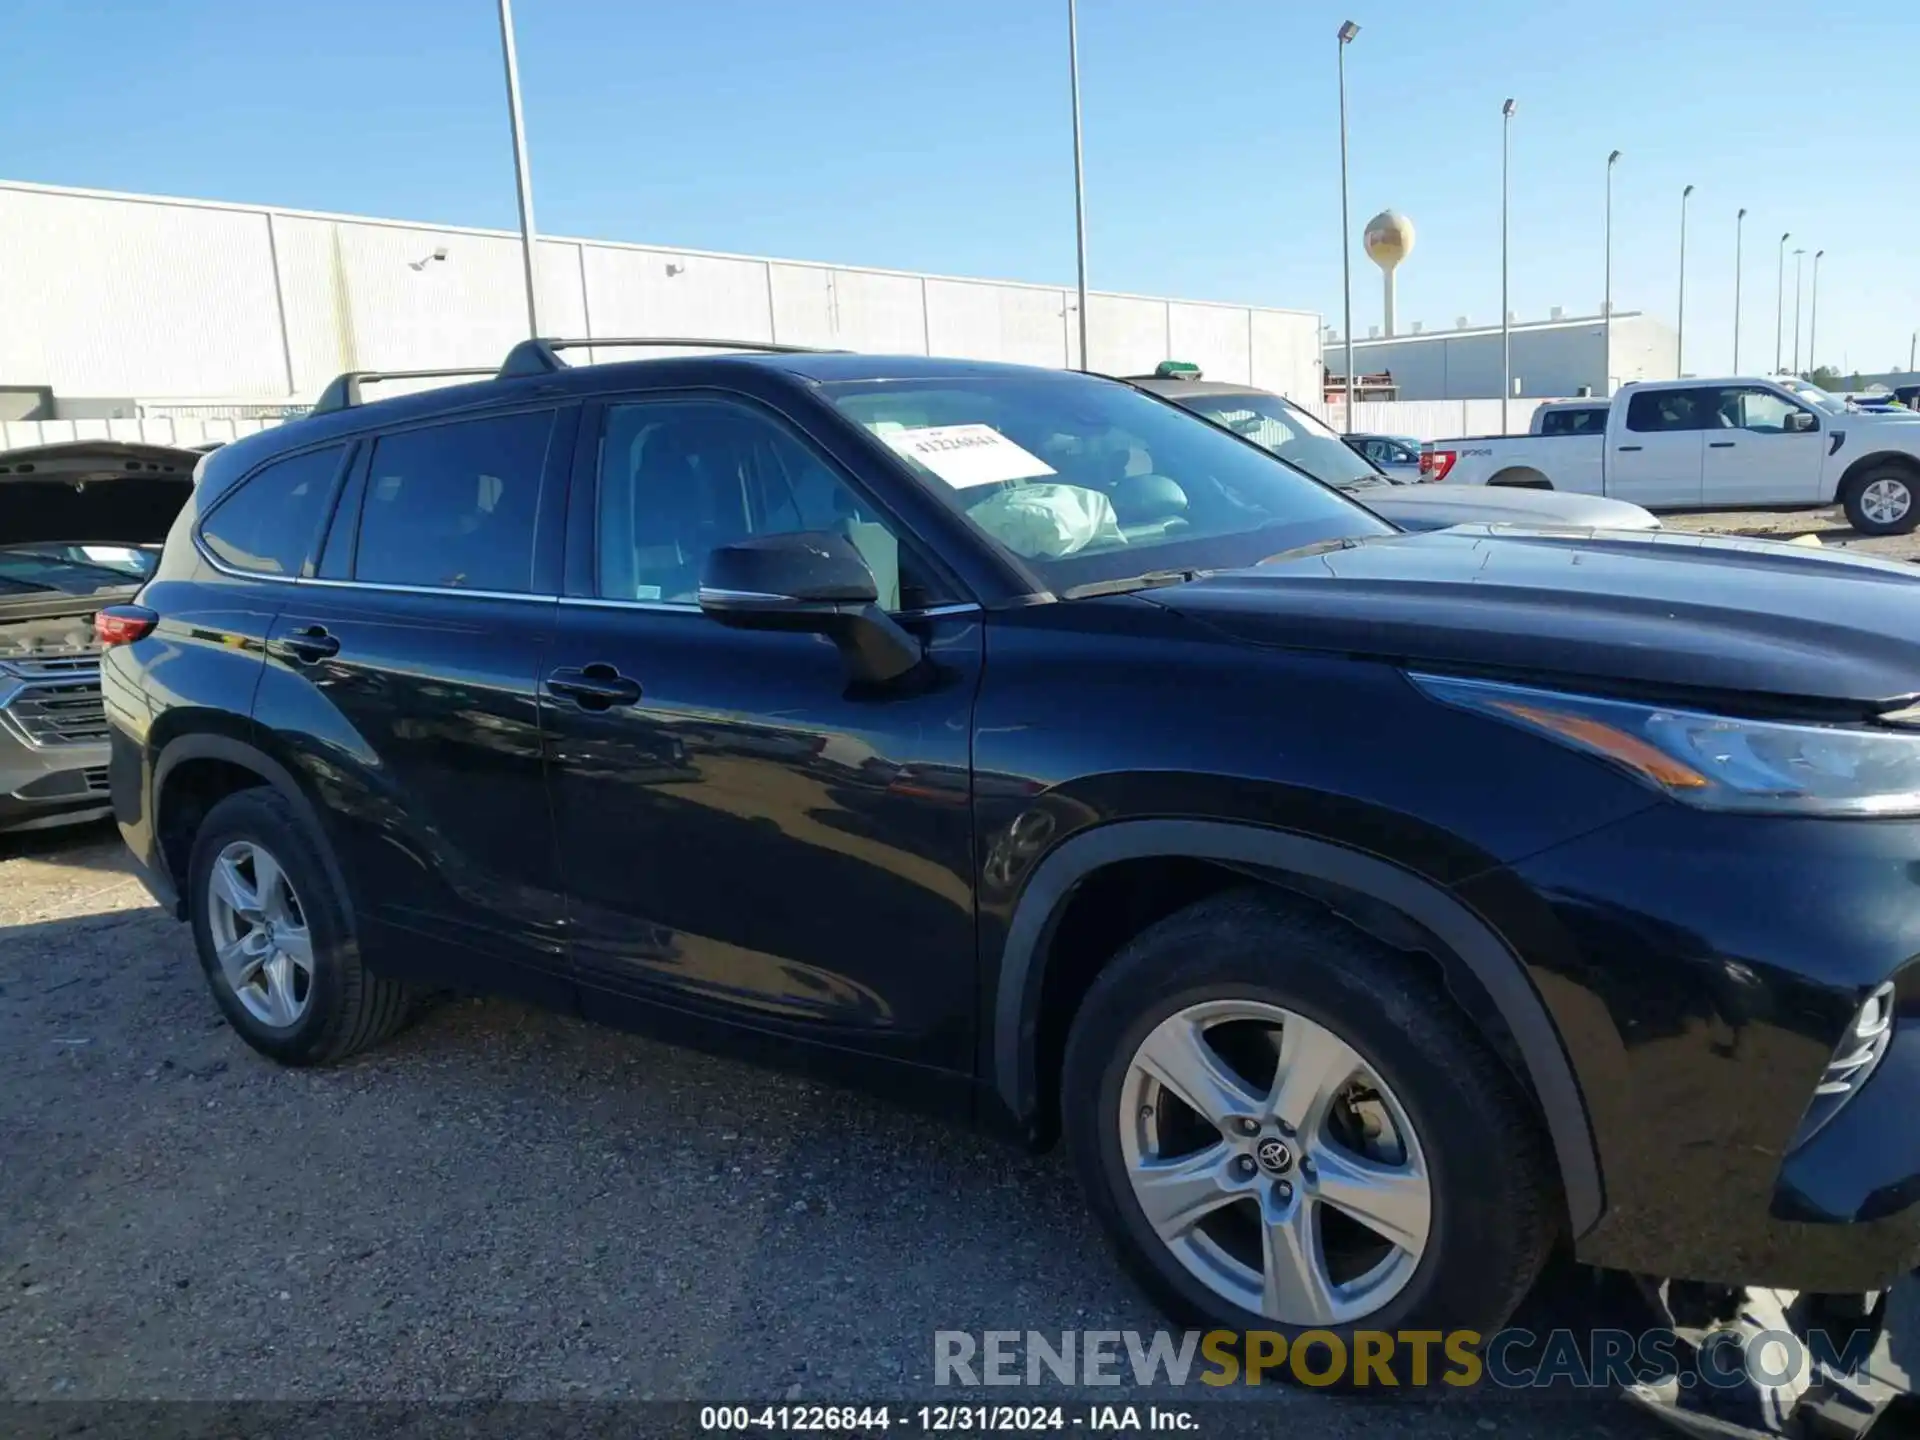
(964, 607)
(932, 612)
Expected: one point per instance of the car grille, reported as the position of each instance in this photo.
(54, 701)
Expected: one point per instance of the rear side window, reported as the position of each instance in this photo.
(453, 506)
(1574, 422)
(268, 525)
(1661, 410)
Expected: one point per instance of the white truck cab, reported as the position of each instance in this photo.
(1713, 444)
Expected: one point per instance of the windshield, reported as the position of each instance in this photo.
(1090, 481)
(1812, 394)
(1291, 433)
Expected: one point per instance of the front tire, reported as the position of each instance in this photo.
(274, 940)
(1282, 1126)
(1882, 501)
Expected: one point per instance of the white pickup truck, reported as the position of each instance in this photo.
(1713, 444)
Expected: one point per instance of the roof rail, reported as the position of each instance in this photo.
(541, 357)
(343, 391)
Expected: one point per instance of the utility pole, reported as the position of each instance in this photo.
(1079, 173)
(1606, 301)
(1739, 225)
(1780, 306)
(521, 175)
(1506, 316)
(1680, 339)
(1347, 31)
(1813, 314)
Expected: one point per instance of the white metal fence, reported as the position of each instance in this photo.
(113, 295)
(1420, 419)
(1431, 419)
(182, 431)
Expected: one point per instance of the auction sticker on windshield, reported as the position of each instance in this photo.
(967, 455)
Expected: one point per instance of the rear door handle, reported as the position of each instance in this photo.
(309, 645)
(594, 687)
(1719, 444)
(1631, 447)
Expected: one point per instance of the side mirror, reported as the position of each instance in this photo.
(1799, 421)
(811, 582)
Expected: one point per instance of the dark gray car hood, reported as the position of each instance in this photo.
(1660, 610)
(99, 492)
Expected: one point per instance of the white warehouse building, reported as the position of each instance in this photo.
(1551, 358)
(122, 305)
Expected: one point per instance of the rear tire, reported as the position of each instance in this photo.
(1493, 1208)
(1882, 500)
(274, 940)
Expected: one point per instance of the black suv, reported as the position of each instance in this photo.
(1364, 910)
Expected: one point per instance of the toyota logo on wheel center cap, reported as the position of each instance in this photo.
(1274, 1157)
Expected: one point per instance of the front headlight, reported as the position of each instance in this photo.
(1716, 762)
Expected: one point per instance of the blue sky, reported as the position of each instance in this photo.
(935, 136)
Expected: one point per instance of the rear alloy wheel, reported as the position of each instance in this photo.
(1285, 1125)
(1881, 502)
(275, 940)
(260, 934)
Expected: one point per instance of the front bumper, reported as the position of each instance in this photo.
(40, 788)
(1700, 970)
(53, 742)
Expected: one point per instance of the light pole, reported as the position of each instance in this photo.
(1780, 306)
(1813, 315)
(1506, 318)
(1347, 31)
(1606, 300)
(1680, 338)
(523, 178)
(1797, 256)
(1739, 225)
(1079, 173)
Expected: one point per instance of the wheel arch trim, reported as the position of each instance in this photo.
(1907, 462)
(1022, 965)
(205, 746)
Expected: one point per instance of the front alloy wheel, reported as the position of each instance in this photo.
(1275, 1165)
(1285, 1125)
(1886, 501)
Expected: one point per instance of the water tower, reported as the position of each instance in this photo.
(1389, 240)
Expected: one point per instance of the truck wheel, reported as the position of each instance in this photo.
(1880, 501)
(1282, 1127)
(274, 940)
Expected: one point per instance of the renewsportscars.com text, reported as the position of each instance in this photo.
(1510, 1359)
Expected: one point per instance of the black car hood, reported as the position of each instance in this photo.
(98, 492)
(1666, 611)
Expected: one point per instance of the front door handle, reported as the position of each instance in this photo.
(1631, 447)
(309, 645)
(594, 687)
(1719, 444)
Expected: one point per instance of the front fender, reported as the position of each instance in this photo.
(1020, 973)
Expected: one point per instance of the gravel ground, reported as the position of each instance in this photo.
(506, 1204)
(1830, 524)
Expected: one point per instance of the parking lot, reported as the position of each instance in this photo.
(507, 1204)
(504, 1204)
(1828, 524)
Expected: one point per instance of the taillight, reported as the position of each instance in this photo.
(1434, 464)
(123, 624)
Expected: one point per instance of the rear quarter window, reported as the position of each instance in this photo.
(269, 524)
(453, 506)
